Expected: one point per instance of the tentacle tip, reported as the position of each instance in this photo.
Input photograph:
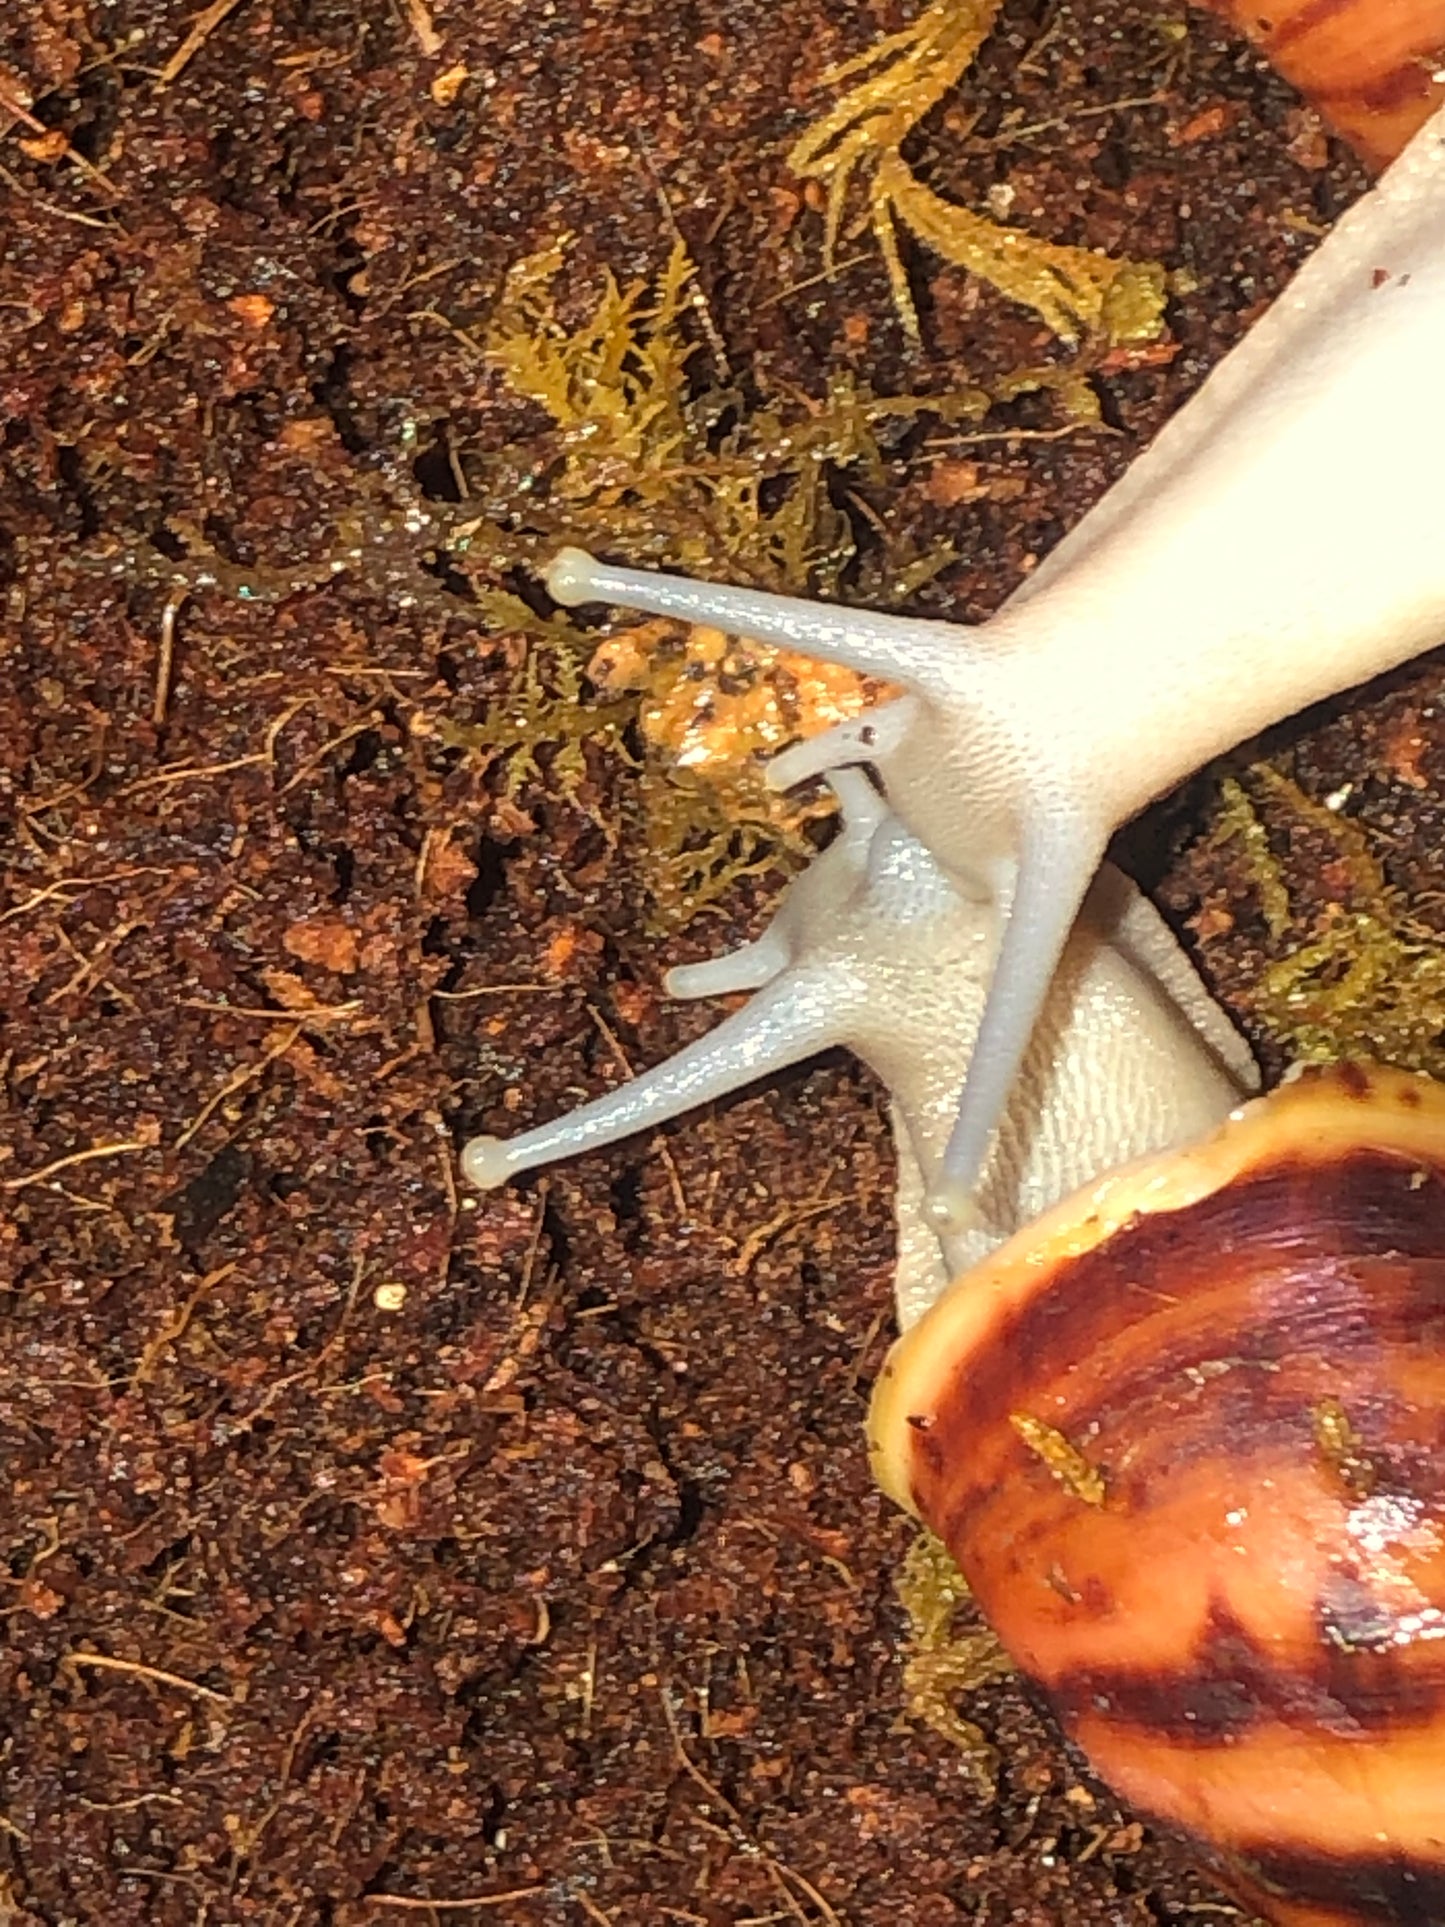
(487, 1162)
(572, 578)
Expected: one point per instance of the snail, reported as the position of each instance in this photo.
(1199, 1504)
(1183, 1435)
(873, 947)
(1278, 543)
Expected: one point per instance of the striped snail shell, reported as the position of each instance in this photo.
(1185, 1437)
(1374, 69)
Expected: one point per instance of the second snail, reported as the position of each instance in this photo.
(1180, 1421)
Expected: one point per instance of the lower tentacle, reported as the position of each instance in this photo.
(785, 1022)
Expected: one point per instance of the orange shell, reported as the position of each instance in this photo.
(1375, 69)
(1186, 1439)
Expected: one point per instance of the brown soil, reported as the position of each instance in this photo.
(372, 1554)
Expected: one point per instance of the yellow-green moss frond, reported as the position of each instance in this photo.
(944, 1661)
(1076, 291)
(1365, 978)
(614, 385)
(903, 78)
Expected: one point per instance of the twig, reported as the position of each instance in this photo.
(313, 1365)
(524, 1333)
(87, 969)
(12, 106)
(130, 1806)
(103, 1662)
(1006, 136)
(669, 1162)
(333, 743)
(53, 207)
(472, 346)
(427, 37)
(449, 1187)
(590, 1907)
(117, 1149)
(471, 1900)
(237, 1081)
(189, 772)
(165, 656)
(175, 1325)
(493, 990)
(812, 281)
(696, 298)
(288, 714)
(79, 883)
(974, 437)
(311, 1014)
(202, 27)
(763, 1235)
(780, 1871)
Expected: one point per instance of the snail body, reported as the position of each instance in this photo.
(1200, 1505)
(1184, 1438)
(1277, 544)
(874, 948)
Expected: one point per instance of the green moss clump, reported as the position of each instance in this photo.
(540, 730)
(668, 471)
(1366, 979)
(943, 1661)
(896, 83)
(1062, 1457)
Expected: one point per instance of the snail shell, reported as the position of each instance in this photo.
(1185, 1437)
(1373, 68)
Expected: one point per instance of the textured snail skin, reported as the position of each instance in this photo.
(873, 948)
(1220, 1549)
(1278, 543)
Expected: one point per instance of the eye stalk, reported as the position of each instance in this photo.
(1278, 543)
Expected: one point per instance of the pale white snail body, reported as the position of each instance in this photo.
(1179, 1420)
(873, 947)
(1279, 542)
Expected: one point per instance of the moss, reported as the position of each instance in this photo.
(638, 456)
(943, 1660)
(896, 83)
(1340, 1447)
(1238, 822)
(1363, 978)
(1062, 1457)
(540, 730)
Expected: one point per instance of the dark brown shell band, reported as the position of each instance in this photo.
(1188, 1448)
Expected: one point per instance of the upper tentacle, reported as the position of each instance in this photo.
(922, 655)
